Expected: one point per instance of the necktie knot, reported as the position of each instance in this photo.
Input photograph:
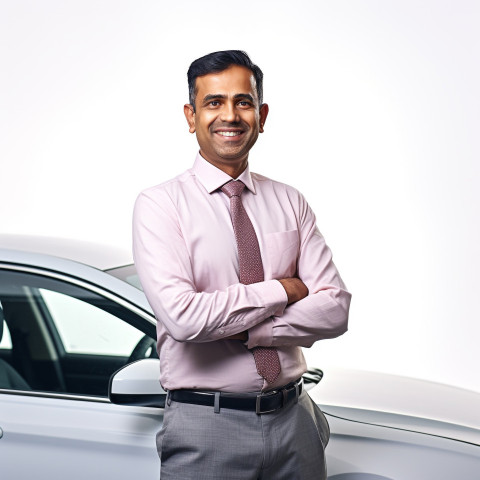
(233, 188)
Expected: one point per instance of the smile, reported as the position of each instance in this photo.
(229, 134)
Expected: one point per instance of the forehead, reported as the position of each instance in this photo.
(232, 81)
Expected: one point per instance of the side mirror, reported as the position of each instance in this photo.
(137, 384)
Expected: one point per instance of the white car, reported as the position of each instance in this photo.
(69, 324)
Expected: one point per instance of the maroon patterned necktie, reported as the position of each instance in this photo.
(251, 270)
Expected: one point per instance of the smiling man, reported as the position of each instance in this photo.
(227, 117)
(239, 278)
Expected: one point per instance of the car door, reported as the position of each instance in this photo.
(63, 338)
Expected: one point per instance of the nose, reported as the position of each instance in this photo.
(229, 113)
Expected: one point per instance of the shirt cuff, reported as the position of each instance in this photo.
(261, 335)
(273, 296)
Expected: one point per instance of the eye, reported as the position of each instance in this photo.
(214, 103)
(244, 103)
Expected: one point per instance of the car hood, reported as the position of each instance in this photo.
(400, 402)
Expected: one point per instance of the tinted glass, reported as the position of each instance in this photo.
(64, 338)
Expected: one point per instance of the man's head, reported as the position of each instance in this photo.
(226, 112)
(218, 62)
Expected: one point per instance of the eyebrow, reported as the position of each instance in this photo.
(218, 96)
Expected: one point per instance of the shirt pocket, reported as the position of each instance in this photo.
(282, 253)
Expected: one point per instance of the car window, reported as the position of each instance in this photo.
(64, 337)
(86, 329)
(6, 341)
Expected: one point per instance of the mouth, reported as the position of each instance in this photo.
(229, 134)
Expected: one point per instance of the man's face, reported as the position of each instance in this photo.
(227, 117)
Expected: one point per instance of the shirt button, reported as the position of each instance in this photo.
(221, 332)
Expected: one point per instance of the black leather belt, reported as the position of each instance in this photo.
(259, 403)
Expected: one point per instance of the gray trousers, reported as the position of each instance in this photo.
(195, 443)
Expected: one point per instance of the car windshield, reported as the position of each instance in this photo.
(128, 274)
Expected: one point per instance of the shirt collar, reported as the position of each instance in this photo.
(212, 178)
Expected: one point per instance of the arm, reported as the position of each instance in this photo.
(294, 288)
(324, 312)
(164, 267)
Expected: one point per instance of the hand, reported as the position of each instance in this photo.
(295, 288)
(243, 336)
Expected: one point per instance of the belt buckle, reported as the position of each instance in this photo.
(258, 406)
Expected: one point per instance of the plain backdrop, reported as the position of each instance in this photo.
(374, 116)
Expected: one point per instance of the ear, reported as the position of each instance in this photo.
(263, 116)
(190, 116)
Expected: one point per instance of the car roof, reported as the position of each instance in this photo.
(86, 262)
(96, 255)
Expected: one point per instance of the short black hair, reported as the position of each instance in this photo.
(218, 62)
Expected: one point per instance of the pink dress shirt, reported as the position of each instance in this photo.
(186, 257)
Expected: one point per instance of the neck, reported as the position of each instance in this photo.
(234, 168)
(234, 171)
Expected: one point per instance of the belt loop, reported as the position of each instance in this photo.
(216, 404)
(169, 398)
(297, 389)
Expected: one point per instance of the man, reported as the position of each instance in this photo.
(240, 279)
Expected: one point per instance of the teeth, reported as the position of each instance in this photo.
(229, 134)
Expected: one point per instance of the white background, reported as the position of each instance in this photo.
(374, 116)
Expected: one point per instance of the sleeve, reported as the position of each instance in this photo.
(324, 312)
(164, 268)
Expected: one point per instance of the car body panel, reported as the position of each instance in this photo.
(56, 438)
(401, 402)
(359, 451)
